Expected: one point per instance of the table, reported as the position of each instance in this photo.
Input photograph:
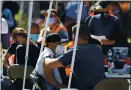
(125, 76)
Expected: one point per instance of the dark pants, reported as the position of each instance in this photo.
(5, 39)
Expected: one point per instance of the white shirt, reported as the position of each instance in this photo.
(39, 66)
(4, 27)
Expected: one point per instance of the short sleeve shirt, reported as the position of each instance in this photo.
(12, 48)
(89, 64)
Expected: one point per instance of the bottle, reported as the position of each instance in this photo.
(110, 61)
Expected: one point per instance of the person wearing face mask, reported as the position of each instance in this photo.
(35, 31)
(116, 9)
(52, 78)
(105, 27)
(55, 26)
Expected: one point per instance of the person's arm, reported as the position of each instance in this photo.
(61, 61)
(5, 58)
(49, 76)
(11, 50)
(64, 35)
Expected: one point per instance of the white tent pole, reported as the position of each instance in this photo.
(28, 38)
(21, 11)
(46, 26)
(1, 64)
(56, 5)
(75, 43)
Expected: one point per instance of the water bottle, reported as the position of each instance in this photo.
(110, 61)
(109, 56)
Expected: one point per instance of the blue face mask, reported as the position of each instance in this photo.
(51, 21)
(34, 37)
(116, 12)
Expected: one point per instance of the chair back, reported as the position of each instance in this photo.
(38, 81)
(17, 71)
(112, 84)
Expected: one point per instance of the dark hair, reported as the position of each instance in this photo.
(34, 24)
(84, 32)
(52, 11)
(53, 37)
(104, 4)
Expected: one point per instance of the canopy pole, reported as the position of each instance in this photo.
(75, 43)
(28, 38)
(1, 64)
(56, 5)
(46, 26)
(21, 11)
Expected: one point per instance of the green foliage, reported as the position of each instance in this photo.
(24, 20)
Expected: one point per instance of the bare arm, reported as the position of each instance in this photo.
(5, 58)
(53, 63)
(49, 76)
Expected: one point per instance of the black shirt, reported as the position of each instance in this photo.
(88, 67)
(12, 48)
(109, 26)
(32, 56)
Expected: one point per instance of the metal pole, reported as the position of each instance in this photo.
(1, 64)
(28, 38)
(21, 12)
(46, 26)
(75, 43)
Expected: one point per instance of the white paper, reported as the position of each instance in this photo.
(99, 38)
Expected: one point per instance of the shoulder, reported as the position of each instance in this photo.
(114, 17)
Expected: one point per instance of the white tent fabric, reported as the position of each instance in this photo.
(75, 43)
(46, 26)
(28, 38)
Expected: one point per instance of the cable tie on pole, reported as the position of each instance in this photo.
(26, 58)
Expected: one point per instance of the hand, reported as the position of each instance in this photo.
(107, 42)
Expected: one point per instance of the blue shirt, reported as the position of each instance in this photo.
(88, 67)
(72, 11)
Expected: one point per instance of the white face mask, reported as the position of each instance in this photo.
(51, 21)
(59, 50)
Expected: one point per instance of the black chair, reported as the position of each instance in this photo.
(38, 81)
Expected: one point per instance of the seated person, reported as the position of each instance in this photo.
(35, 31)
(89, 62)
(11, 50)
(55, 26)
(19, 48)
(34, 50)
(53, 77)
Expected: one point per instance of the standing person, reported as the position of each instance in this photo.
(126, 21)
(7, 14)
(89, 62)
(55, 26)
(5, 37)
(107, 25)
(53, 78)
(71, 15)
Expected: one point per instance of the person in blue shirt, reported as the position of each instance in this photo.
(89, 62)
(71, 15)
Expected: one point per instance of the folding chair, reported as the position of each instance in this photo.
(112, 84)
(38, 81)
(17, 71)
(16, 74)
